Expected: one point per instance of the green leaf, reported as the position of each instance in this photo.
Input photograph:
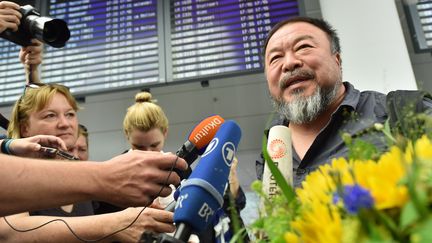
(286, 189)
(389, 224)
(257, 186)
(422, 233)
(362, 150)
(409, 215)
(388, 134)
(419, 198)
(259, 223)
(239, 235)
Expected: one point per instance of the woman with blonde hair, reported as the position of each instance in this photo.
(50, 109)
(30, 116)
(145, 124)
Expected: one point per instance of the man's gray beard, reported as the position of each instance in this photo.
(306, 109)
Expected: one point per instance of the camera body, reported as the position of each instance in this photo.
(53, 32)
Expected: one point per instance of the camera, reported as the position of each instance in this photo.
(53, 32)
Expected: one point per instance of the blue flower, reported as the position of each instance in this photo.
(355, 197)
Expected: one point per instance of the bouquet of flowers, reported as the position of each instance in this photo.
(368, 197)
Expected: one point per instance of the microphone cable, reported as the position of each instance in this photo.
(103, 237)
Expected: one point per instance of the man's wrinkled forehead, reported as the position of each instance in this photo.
(278, 43)
(294, 32)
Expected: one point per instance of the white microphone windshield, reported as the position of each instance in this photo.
(280, 151)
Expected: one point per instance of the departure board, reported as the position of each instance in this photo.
(113, 44)
(121, 44)
(222, 37)
(419, 17)
(12, 75)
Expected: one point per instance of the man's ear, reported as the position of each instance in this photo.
(338, 59)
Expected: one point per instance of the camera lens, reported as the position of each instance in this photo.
(56, 33)
(53, 32)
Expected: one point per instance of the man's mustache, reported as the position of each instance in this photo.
(296, 74)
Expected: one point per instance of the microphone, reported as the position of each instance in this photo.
(202, 194)
(280, 151)
(197, 141)
(171, 206)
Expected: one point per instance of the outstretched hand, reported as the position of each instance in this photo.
(31, 146)
(142, 175)
(151, 220)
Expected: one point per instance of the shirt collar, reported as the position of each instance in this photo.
(352, 96)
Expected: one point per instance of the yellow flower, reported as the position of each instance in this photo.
(290, 237)
(423, 148)
(383, 178)
(351, 229)
(317, 222)
(409, 153)
(317, 186)
(342, 170)
(320, 184)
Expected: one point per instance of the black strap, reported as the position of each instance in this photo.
(4, 122)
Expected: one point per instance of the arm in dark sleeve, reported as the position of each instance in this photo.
(240, 200)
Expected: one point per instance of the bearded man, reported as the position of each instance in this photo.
(302, 60)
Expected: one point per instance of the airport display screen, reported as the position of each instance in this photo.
(120, 44)
(419, 17)
(210, 38)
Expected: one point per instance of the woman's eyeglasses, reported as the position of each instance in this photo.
(33, 86)
(30, 85)
(36, 86)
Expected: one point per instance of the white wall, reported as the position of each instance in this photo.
(374, 52)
